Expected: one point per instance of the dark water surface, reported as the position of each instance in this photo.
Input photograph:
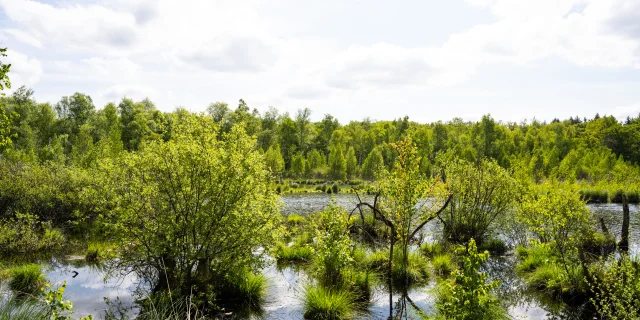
(88, 289)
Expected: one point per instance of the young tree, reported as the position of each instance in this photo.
(373, 164)
(315, 160)
(193, 209)
(274, 160)
(298, 165)
(405, 202)
(337, 164)
(352, 163)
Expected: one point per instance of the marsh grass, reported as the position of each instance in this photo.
(27, 279)
(442, 265)
(322, 303)
(21, 309)
(293, 254)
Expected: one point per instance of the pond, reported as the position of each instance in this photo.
(87, 286)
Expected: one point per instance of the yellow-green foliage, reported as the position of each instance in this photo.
(431, 249)
(294, 253)
(617, 289)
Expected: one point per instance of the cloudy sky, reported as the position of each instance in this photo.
(430, 60)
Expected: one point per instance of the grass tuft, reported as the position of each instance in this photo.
(321, 303)
(27, 279)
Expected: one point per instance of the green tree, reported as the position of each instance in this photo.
(274, 160)
(351, 163)
(337, 164)
(315, 160)
(193, 209)
(373, 164)
(298, 165)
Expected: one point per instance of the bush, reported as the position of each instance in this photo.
(321, 303)
(25, 233)
(27, 279)
(468, 296)
(617, 289)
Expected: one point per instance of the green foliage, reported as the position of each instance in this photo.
(495, 246)
(24, 233)
(617, 289)
(468, 295)
(332, 245)
(274, 160)
(483, 193)
(373, 164)
(337, 164)
(26, 279)
(351, 162)
(215, 191)
(328, 304)
(4, 70)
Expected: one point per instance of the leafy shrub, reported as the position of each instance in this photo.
(27, 279)
(24, 233)
(617, 289)
(468, 296)
(322, 303)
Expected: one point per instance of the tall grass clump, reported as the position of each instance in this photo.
(431, 249)
(442, 265)
(293, 253)
(323, 303)
(20, 309)
(27, 279)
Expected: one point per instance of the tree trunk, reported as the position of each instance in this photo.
(624, 239)
(389, 274)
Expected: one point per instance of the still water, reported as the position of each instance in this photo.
(89, 287)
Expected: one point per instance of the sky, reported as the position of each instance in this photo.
(430, 60)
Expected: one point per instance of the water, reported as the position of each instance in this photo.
(283, 299)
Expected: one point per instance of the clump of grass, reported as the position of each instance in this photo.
(442, 265)
(632, 196)
(99, 251)
(532, 258)
(417, 271)
(360, 284)
(495, 246)
(323, 303)
(27, 279)
(431, 249)
(293, 253)
(20, 309)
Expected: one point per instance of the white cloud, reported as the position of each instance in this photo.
(135, 92)
(25, 70)
(117, 67)
(24, 37)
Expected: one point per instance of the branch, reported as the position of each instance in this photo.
(432, 217)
